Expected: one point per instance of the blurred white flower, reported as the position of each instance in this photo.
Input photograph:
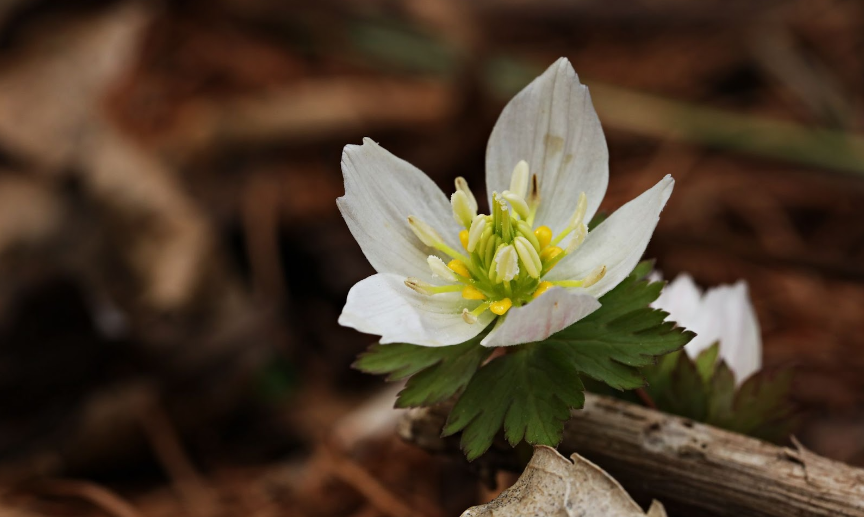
(445, 273)
(721, 314)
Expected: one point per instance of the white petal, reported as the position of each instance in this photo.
(739, 334)
(555, 310)
(384, 306)
(723, 314)
(552, 125)
(618, 242)
(682, 299)
(381, 191)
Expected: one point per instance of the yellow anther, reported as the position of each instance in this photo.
(544, 236)
(549, 253)
(463, 238)
(469, 292)
(501, 306)
(542, 288)
(459, 267)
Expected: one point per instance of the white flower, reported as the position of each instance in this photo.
(723, 313)
(546, 172)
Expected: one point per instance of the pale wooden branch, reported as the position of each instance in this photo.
(693, 468)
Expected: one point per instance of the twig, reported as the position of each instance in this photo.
(97, 495)
(168, 449)
(361, 480)
(688, 466)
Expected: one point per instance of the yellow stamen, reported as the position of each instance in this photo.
(424, 232)
(501, 306)
(542, 288)
(471, 316)
(544, 236)
(595, 276)
(459, 267)
(463, 238)
(428, 289)
(519, 179)
(468, 317)
(549, 253)
(529, 257)
(469, 292)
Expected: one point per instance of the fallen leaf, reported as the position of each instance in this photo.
(553, 486)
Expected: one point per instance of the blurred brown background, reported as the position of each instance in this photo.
(172, 262)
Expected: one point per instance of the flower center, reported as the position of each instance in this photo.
(505, 257)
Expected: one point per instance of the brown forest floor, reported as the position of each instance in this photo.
(172, 262)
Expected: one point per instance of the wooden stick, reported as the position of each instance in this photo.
(692, 468)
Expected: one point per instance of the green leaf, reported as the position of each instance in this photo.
(530, 391)
(705, 390)
(622, 335)
(437, 373)
(643, 269)
(676, 386)
(595, 221)
(706, 362)
(762, 407)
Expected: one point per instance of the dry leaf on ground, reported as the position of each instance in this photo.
(552, 485)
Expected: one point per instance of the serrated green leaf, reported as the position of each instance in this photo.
(678, 389)
(762, 406)
(721, 395)
(622, 335)
(643, 269)
(705, 390)
(530, 391)
(706, 362)
(437, 373)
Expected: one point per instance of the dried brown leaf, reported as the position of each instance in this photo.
(551, 485)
